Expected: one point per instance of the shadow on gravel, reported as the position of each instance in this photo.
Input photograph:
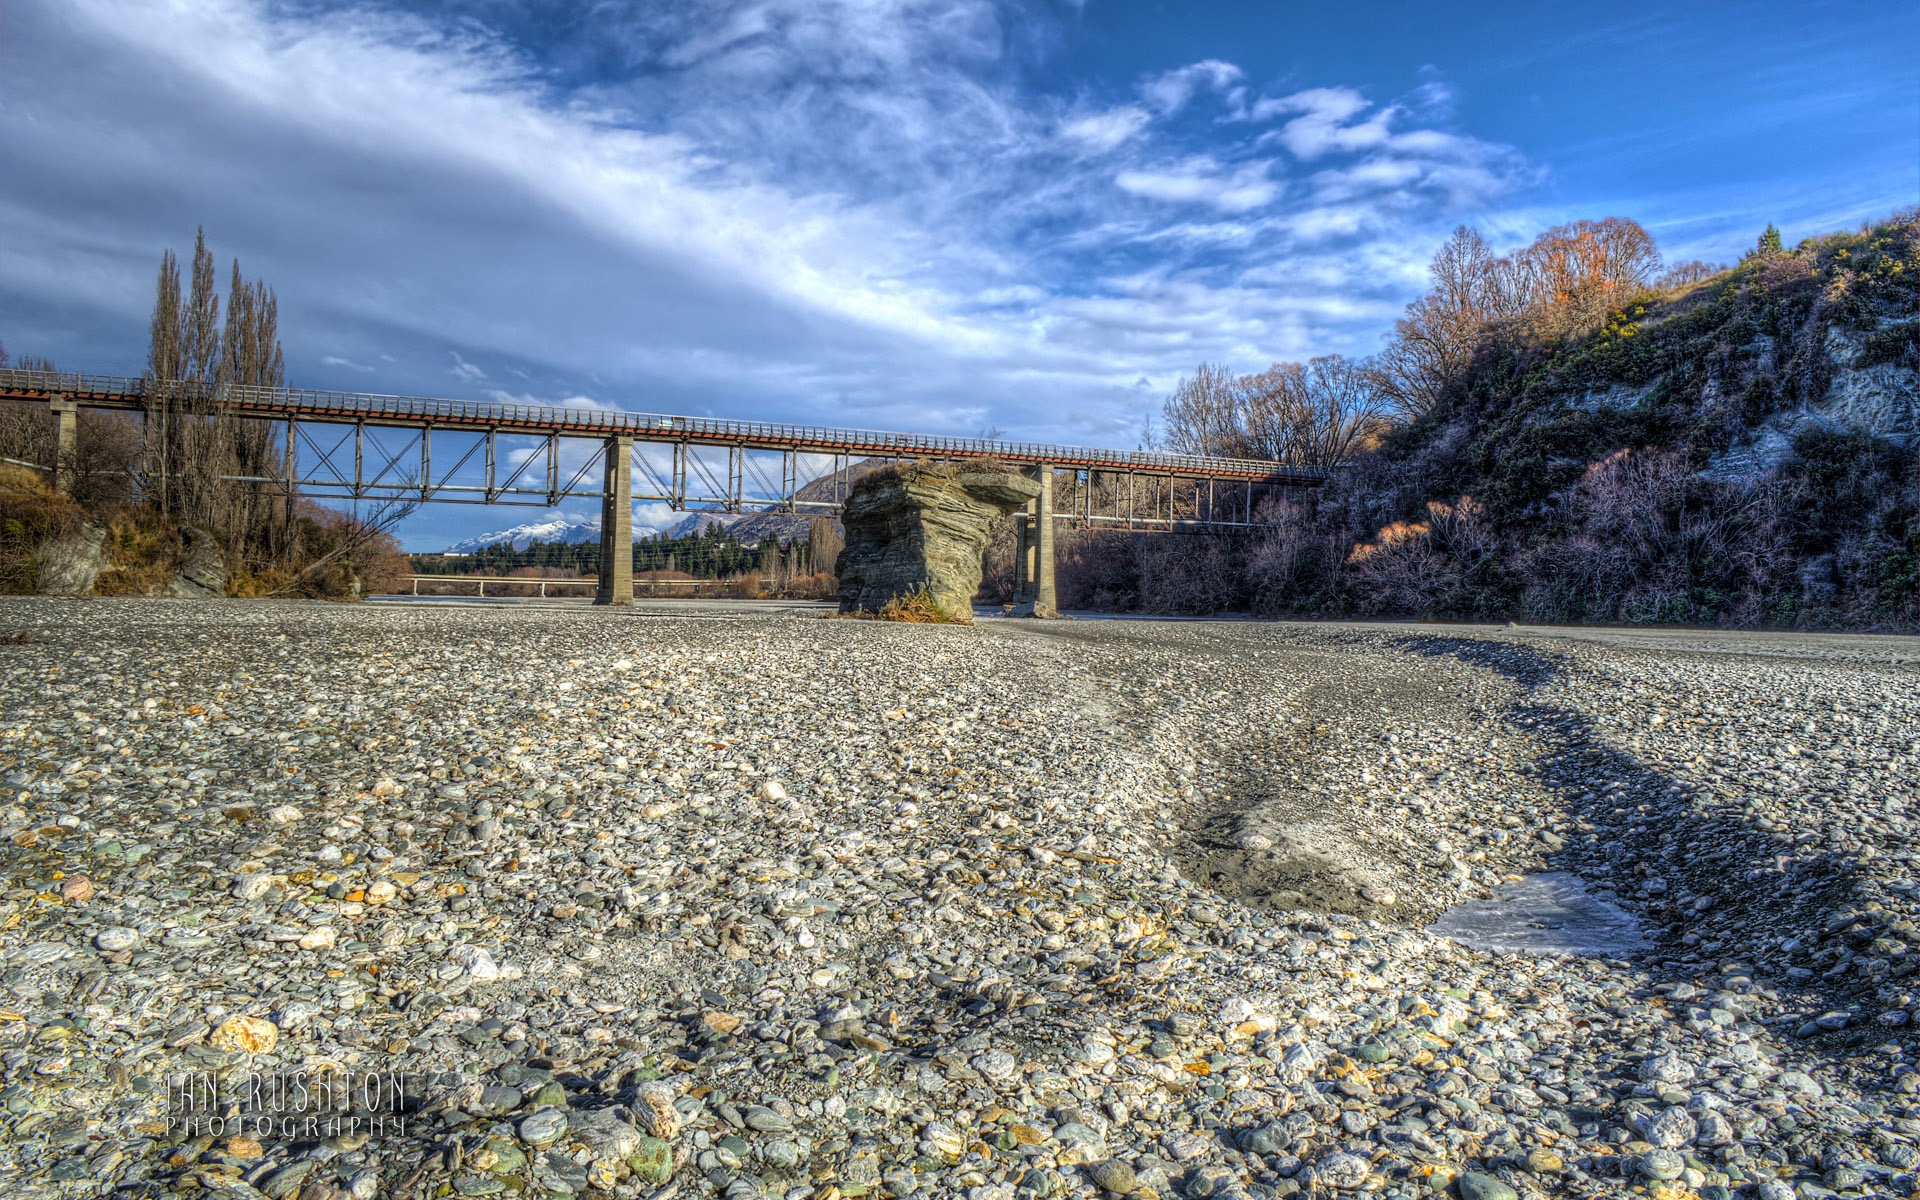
(1657, 842)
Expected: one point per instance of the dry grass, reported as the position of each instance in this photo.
(252, 585)
(23, 483)
(914, 608)
(142, 548)
(31, 513)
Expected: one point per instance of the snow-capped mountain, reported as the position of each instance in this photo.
(559, 529)
(699, 522)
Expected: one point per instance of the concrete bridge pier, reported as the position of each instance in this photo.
(1033, 591)
(616, 526)
(66, 443)
(1043, 601)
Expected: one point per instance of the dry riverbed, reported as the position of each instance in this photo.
(757, 904)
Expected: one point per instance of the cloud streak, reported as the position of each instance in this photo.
(829, 210)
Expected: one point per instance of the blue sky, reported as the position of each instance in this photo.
(932, 215)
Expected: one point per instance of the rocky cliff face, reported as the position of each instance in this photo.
(69, 563)
(1880, 399)
(202, 572)
(923, 529)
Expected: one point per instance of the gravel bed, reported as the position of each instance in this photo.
(762, 904)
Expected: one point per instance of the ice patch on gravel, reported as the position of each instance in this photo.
(1553, 913)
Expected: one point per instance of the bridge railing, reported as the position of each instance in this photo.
(656, 427)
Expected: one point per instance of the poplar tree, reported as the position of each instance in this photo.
(200, 457)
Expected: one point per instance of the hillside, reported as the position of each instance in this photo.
(752, 526)
(1735, 450)
(1738, 450)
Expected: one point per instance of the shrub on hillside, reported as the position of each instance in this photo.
(31, 515)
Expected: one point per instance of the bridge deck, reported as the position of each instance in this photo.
(421, 412)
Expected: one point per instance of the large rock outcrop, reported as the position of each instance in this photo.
(923, 529)
(202, 572)
(70, 562)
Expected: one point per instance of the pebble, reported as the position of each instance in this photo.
(1342, 1170)
(246, 1035)
(1113, 1176)
(654, 1111)
(1477, 1185)
(542, 1128)
(116, 939)
(995, 950)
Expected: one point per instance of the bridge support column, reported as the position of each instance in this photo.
(66, 443)
(1023, 555)
(616, 526)
(1043, 598)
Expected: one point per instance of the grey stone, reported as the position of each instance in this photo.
(543, 1128)
(201, 572)
(1477, 1185)
(69, 564)
(1114, 1176)
(117, 938)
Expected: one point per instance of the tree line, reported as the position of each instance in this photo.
(712, 553)
(1325, 411)
(187, 463)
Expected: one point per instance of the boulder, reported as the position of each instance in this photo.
(202, 573)
(923, 529)
(67, 565)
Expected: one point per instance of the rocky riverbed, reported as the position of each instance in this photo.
(771, 905)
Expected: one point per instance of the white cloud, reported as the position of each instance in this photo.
(836, 211)
(1170, 91)
(1325, 124)
(1103, 131)
(1201, 180)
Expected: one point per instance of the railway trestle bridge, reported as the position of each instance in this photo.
(363, 446)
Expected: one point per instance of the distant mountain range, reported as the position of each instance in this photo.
(559, 529)
(749, 527)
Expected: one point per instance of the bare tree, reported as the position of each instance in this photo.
(1679, 275)
(1565, 283)
(250, 357)
(1434, 341)
(166, 364)
(1202, 416)
(251, 353)
(353, 542)
(1577, 273)
(200, 326)
(824, 544)
(1316, 415)
(1346, 412)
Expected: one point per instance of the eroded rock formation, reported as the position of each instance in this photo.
(923, 528)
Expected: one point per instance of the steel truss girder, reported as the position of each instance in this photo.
(691, 479)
